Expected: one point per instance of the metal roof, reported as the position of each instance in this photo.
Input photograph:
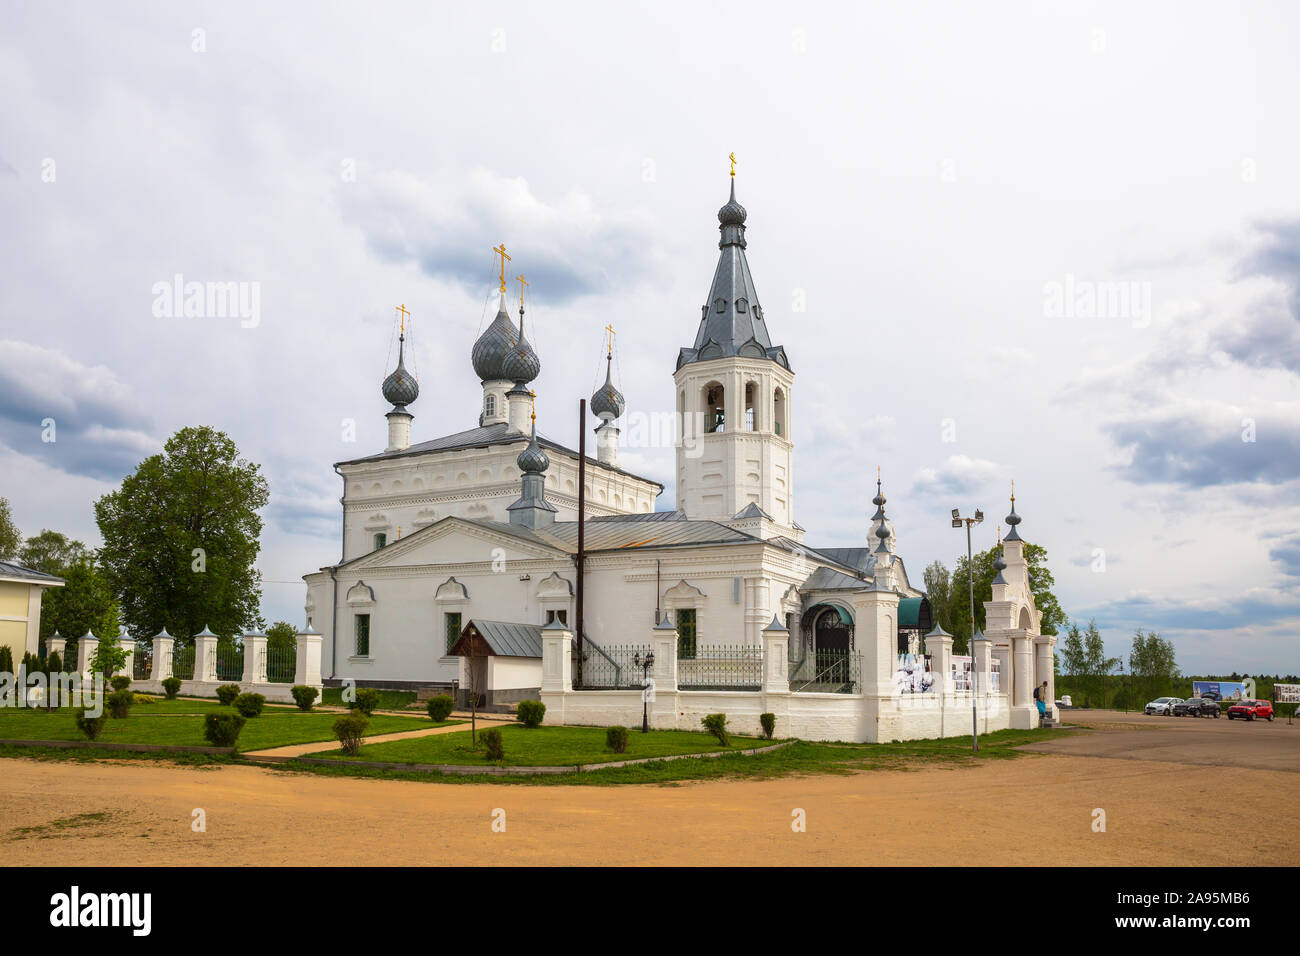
(615, 532)
(828, 579)
(506, 639)
(17, 572)
(484, 436)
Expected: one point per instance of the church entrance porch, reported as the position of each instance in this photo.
(827, 660)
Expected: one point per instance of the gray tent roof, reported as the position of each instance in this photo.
(828, 579)
(510, 640)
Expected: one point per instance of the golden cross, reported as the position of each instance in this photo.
(402, 310)
(532, 404)
(732, 157)
(610, 330)
(501, 251)
(522, 282)
(1013, 492)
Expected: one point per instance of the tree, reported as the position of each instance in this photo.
(938, 589)
(1096, 665)
(1041, 582)
(1152, 663)
(9, 534)
(281, 634)
(181, 537)
(80, 605)
(52, 552)
(110, 655)
(1071, 652)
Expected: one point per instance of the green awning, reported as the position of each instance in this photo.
(914, 612)
(845, 618)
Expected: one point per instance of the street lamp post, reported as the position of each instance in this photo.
(645, 663)
(957, 522)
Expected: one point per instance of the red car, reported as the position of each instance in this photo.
(1250, 709)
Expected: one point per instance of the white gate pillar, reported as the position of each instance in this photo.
(254, 659)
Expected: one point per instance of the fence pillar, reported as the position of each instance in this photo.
(205, 656)
(255, 658)
(163, 647)
(982, 661)
(776, 655)
(307, 666)
(557, 658)
(128, 666)
(663, 641)
(86, 648)
(875, 614)
(54, 644)
(938, 644)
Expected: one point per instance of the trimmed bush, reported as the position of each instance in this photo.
(716, 724)
(171, 687)
(119, 703)
(92, 727)
(768, 723)
(493, 746)
(531, 712)
(54, 664)
(227, 693)
(367, 700)
(250, 705)
(616, 739)
(440, 707)
(6, 659)
(222, 730)
(303, 696)
(120, 682)
(349, 729)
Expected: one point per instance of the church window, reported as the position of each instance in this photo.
(451, 630)
(714, 408)
(362, 627)
(778, 413)
(742, 304)
(490, 405)
(719, 304)
(381, 539)
(751, 417)
(560, 615)
(686, 633)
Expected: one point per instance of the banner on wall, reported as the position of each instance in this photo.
(915, 674)
(961, 671)
(1286, 693)
(1224, 689)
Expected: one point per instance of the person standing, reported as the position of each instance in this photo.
(1040, 698)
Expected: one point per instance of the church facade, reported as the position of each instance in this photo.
(460, 557)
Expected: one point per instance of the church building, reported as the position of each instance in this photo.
(461, 554)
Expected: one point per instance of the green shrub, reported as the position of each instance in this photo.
(250, 705)
(227, 693)
(92, 727)
(222, 730)
(6, 659)
(531, 712)
(119, 703)
(55, 663)
(303, 696)
(716, 724)
(171, 687)
(367, 700)
(120, 682)
(440, 707)
(616, 739)
(349, 729)
(493, 745)
(768, 723)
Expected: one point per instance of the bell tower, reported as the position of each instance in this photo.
(735, 456)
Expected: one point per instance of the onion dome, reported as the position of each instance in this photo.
(733, 213)
(400, 387)
(1013, 519)
(607, 403)
(879, 502)
(533, 460)
(520, 363)
(999, 565)
(883, 534)
(490, 350)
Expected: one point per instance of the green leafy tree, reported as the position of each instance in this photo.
(1071, 651)
(281, 634)
(110, 655)
(1041, 582)
(1152, 664)
(938, 588)
(9, 534)
(80, 605)
(1097, 667)
(52, 552)
(181, 537)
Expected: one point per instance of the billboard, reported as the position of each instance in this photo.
(1223, 689)
(1286, 693)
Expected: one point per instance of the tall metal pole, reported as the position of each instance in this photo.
(970, 643)
(582, 523)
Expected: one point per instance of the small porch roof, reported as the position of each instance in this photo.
(498, 639)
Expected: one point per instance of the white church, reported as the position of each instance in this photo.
(461, 558)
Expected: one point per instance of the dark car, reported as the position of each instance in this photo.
(1197, 707)
(1250, 709)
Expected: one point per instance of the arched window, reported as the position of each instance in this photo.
(778, 414)
(751, 411)
(714, 407)
(381, 539)
(489, 405)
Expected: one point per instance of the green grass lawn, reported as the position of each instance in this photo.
(388, 699)
(545, 747)
(180, 723)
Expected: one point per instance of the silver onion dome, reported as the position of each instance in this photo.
(1013, 519)
(607, 402)
(733, 213)
(490, 350)
(521, 363)
(400, 387)
(533, 460)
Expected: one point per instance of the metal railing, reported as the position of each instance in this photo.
(828, 671)
(183, 662)
(230, 662)
(281, 663)
(608, 668)
(722, 667)
(141, 664)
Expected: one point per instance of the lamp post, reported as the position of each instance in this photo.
(957, 522)
(645, 663)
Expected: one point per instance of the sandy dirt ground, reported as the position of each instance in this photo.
(1033, 810)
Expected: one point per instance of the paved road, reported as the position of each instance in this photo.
(1200, 741)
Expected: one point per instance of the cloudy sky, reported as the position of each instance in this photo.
(1055, 243)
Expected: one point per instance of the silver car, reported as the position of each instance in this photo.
(1162, 706)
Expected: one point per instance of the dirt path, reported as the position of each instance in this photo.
(1036, 809)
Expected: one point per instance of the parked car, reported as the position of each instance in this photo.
(1197, 707)
(1250, 709)
(1162, 706)
(1065, 702)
